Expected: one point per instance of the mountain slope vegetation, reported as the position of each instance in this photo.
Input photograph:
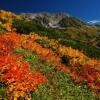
(44, 63)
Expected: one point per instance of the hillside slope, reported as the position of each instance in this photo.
(40, 64)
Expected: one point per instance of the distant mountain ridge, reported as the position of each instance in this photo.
(54, 20)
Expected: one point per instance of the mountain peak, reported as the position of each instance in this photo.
(54, 20)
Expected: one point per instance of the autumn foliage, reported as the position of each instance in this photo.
(6, 20)
(15, 72)
(20, 80)
(81, 67)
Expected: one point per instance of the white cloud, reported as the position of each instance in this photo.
(94, 21)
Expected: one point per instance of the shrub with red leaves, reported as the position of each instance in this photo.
(8, 42)
(15, 72)
(88, 74)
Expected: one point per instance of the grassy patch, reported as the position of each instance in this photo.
(62, 87)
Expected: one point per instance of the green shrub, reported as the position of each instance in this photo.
(1, 30)
(24, 27)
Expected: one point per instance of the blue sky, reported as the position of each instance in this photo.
(84, 9)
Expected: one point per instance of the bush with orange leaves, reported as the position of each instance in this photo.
(8, 42)
(15, 72)
(94, 63)
(18, 76)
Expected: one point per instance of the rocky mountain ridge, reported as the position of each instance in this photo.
(54, 20)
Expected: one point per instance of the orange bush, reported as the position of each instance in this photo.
(15, 72)
(9, 42)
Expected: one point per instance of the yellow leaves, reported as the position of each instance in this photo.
(16, 94)
(75, 55)
(15, 98)
(0, 23)
(7, 20)
(17, 17)
(98, 76)
(7, 26)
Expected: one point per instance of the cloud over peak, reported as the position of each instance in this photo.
(94, 21)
